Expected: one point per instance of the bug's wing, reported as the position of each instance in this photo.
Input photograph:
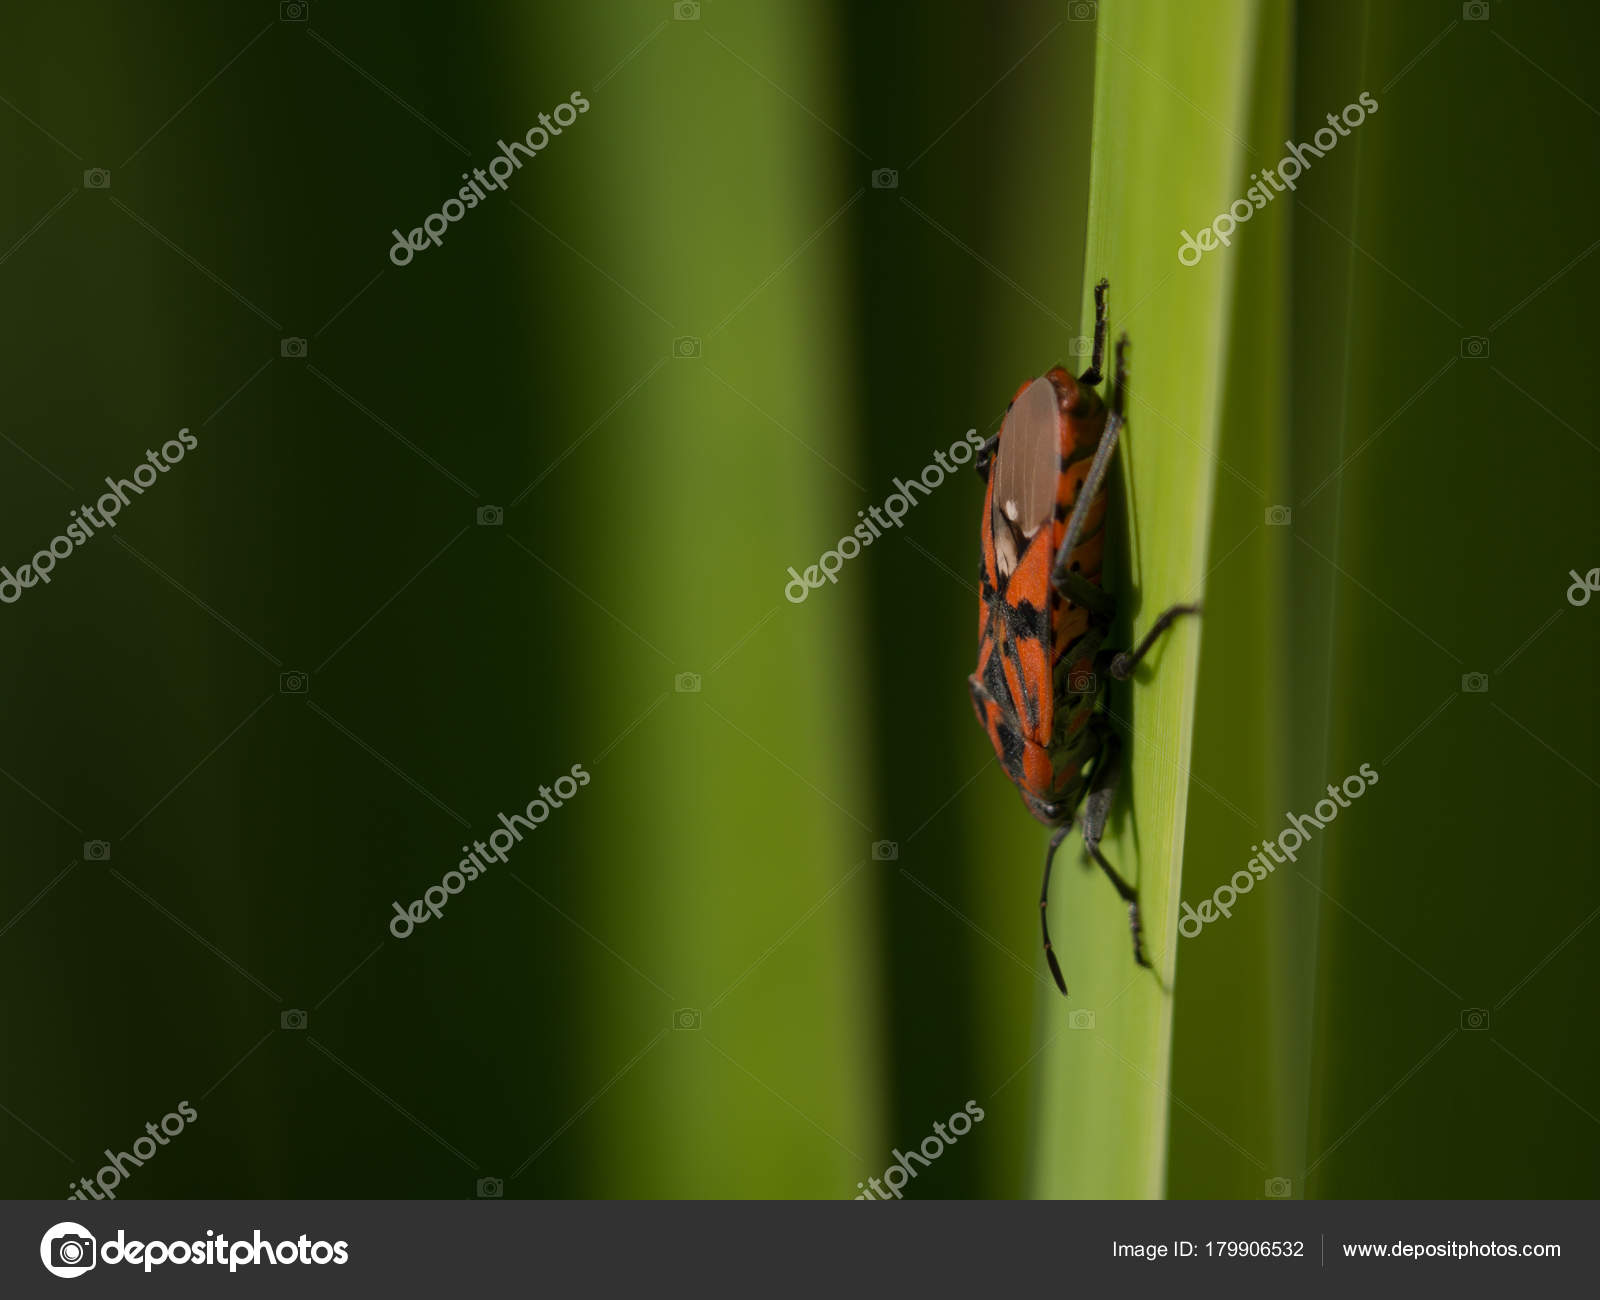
(1023, 482)
(1018, 522)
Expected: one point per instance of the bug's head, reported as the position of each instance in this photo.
(1048, 811)
(1025, 471)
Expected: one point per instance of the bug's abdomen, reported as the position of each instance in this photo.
(1076, 631)
(1034, 691)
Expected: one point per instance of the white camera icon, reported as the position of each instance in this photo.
(68, 1250)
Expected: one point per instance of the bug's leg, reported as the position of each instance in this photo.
(1096, 809)
(985, 457)
(1123, 664)
(1080, 591)
(1092, 375)
(1044, 898)
(1099, 467)
(1119, 381)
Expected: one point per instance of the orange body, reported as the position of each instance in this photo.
(1035, 687)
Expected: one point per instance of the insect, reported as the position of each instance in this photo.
(1044, 617)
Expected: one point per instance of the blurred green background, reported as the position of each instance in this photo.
(529, 502)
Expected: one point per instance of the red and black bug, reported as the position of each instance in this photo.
(1044, 617)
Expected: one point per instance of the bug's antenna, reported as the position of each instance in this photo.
(1093, 375)
(1044, 898)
